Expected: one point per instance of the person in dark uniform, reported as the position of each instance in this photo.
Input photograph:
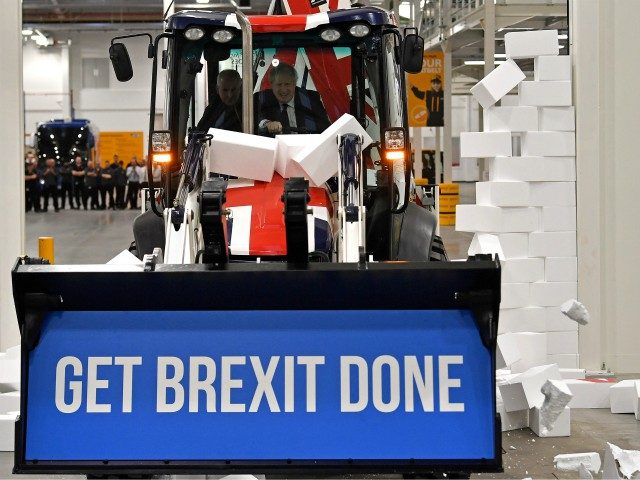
(50, 177)
(91, 184)
(133, 183)
(434, 102)
(225, 111)
(31, 186)
(66, 185)
(106, 186)
(287, 108)
(77, 171)
(120, 182)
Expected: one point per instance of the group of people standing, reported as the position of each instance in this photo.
(86, 184)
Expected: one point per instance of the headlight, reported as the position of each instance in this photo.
(359, 30)
(222, 36)
(161, 141)
(394, 144)
(193, 33)
(330, 35)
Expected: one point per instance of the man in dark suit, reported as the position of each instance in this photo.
(225, 111)
(287, 108)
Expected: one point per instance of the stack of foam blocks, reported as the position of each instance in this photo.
(526, 212)
(9, 396)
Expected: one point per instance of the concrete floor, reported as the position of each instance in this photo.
(96, 236)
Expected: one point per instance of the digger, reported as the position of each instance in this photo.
(287, 317)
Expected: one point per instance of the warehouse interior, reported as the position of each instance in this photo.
(533, 158)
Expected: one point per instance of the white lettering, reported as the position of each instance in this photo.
(289, 383)
(346, 405)
(75, 386)
(394, 383)
(311, 362)
(127, 380)
(93, 385)
(173, 383)
(206, 385)
(446, 383)
(227, 384)
(264, 387)
(413, 376)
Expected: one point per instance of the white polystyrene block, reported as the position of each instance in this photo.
(551, 194)
(125, 257)
(523, 391)
(503, 194)
(565, 360)
(527, 319)
(531, 44)
(548, 144)
(485, 144)
(561, 427)
(7, 431)
(562, 342)
(552, 244)
(513, 420)
(533, 350)
(592, 393)
(558, 321)
(485, 243)
(497, 84)
(561, 269)
(510, 101)
(558, 219)
(623, 396)
(636, 401)
(545, 94)
(620, 464)
(571, 461)
(288, 147)
(510, 119)
(519, 270)
(514, 245)
(9, 402)
(507, 352)
(558, 119)
(552, 67)
(514, 295)
(484, 218)
(572, 373)
(551, 294)
(242, 155)
(10, 370)
(320, 159)
(533, 169)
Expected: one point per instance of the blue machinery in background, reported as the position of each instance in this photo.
(258, 368)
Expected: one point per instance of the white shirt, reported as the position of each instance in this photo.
(142, 173)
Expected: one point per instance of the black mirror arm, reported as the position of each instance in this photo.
(150, 49)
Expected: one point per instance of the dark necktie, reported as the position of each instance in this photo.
(284, 117)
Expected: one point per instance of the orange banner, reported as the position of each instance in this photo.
(426, 92)
(123, 144)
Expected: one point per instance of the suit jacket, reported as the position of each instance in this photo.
(220, 115)
(309, 110)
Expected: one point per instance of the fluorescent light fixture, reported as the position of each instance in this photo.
(202, 1)
(500, 55)
(27, 31)
(481, 62)
(563, 37)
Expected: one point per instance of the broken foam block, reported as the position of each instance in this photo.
(524, 391)
(258, 155)
(485, 243)
(507, 352)
(560, 428)
(576, 311)
(556, 397)
(620, 463)
(570, 462)
(590, 393)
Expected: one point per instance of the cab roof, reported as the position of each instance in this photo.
(281, 23)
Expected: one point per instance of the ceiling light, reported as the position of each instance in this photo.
(563, 37)
(500, 55)
(481, 62)
(27, 31)
(202, 1)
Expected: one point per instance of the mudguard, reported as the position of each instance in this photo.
(258, 368)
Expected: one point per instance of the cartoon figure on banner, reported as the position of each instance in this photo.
(426, 97)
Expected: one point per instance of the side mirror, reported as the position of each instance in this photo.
(412, 52)
(121, 62)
